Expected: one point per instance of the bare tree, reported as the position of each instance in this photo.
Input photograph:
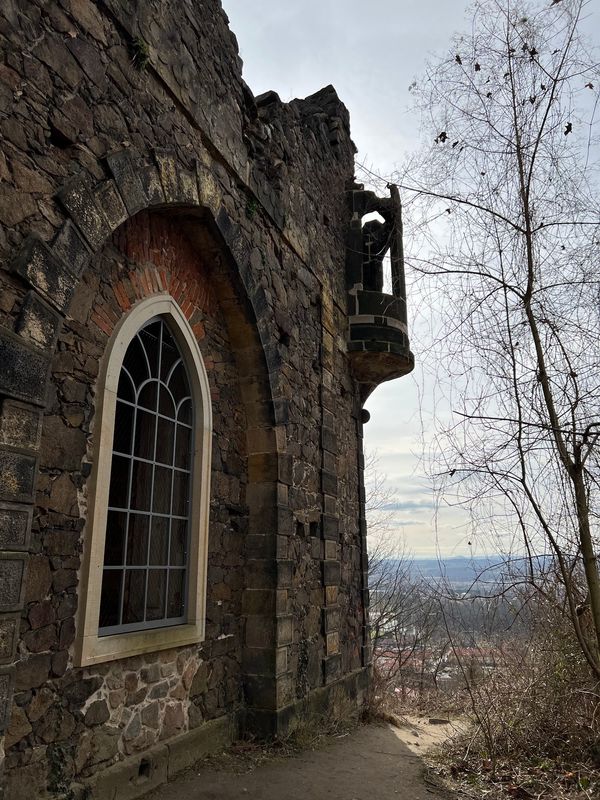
(404, 612)
(391, 582)
(508, 188)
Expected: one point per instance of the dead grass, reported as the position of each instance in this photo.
(311, 732)
(530, 730)
(533, 733)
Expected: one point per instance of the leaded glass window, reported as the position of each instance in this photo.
(145, 571)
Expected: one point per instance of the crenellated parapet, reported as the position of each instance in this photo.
(378, 344)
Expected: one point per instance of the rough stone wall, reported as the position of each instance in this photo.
(125, 125)
(100, 713)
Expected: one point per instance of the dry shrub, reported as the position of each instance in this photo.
(310, 731)
(378, 701)
(387, 701)
(536, 719)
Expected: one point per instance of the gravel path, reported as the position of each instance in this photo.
(375, 762)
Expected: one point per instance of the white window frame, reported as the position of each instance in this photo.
(90, 648)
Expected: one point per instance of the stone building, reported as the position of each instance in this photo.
(191, 316)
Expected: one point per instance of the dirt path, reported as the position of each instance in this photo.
(375, 762)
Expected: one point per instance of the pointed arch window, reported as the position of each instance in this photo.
(146, 557)
(146, 546)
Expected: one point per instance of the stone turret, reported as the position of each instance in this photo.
(378, 343)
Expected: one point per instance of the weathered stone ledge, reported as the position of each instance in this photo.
(142, 773)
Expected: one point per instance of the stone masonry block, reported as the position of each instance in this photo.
(188, 188)
(169, 175)
(330, 505)
(249, 363)
(24, 369)
(43, 270)
(285, 630)
(128, 179)
(260, 632)
(333, 643)
(209, 191)
(17, 476)
(365, 594)
(264, 661)
(330, 462)
(329, 440)
(84, 210)
(260, 546)
(262, 440)
(15, 526)
(332, 668)
(9, 632)
(151, 184)
(316, 548)
(285, 689)
(285, 518)
(328, 419)
(271, 350)
(331, 619)
(282, 601)
(328, 382)
(260, 691)
(20, 425)
(285, 464)
(263, 467)
(240, 248)
(329, 400)
(260, 573)
(257, 660)
(262, 496)
(12, 571)
(382, 305)
(281, 660)
(331, 573)
(331, 550)
(38, 323)
(263, 520)
(285, 569)
(258, 601)
(359, 347)
(331, 595)
(330, 527)
(329, 483)
(110, 201)
(364, 559)
(71, 248)
(6, 686)
(224, 224)
(282, 549)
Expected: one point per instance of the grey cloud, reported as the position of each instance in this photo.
(410, 505)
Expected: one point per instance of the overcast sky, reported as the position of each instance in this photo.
(371, 53)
